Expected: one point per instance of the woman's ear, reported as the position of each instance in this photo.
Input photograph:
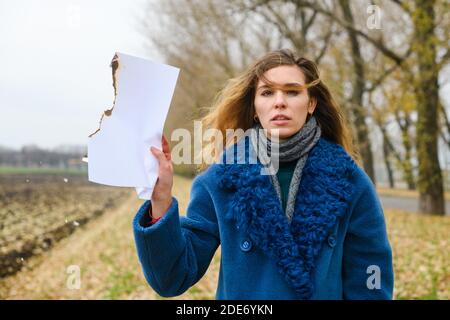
(312, 105)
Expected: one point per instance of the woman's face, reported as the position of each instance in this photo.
(283, 108)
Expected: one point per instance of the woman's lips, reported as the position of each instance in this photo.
(280, 122)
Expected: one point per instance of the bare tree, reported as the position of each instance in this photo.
(212, 40)
(423, 67)
(209, 43)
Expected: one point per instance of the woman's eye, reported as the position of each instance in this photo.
(266, 93)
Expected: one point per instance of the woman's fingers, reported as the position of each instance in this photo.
(160, 156)
(163, 155)
(163, 187)
(166, 148)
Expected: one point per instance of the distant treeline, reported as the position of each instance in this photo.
(65, 157)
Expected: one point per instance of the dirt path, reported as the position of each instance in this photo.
(45, 276)
(104, 250)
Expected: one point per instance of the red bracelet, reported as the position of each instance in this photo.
(155, 220)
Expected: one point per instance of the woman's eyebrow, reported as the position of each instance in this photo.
(290, 85)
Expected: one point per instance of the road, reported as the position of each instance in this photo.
(404, 203)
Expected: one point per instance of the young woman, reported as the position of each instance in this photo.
(313, 229)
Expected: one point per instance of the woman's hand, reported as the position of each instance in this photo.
(162, 193)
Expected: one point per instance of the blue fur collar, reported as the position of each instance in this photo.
(323, 197)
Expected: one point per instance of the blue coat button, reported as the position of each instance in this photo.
(246, 245)
(331, 241)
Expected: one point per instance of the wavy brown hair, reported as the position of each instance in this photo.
(233, 107)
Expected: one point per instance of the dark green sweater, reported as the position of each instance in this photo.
(284, 175)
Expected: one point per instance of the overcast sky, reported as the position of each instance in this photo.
(55, 79)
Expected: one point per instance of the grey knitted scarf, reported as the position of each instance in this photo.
(295, 147)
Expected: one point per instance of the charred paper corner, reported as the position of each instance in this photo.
(119, 154)
(114, 66)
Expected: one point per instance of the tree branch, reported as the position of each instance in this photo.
(380, 80)
(377, 43)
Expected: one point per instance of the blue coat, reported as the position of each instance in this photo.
(336, 246)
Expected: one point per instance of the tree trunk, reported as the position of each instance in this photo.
(386, 154)
(404, 124)
(404, 164)
(430, 184)
(357, 94)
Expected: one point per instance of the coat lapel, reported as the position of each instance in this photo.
(323, 197)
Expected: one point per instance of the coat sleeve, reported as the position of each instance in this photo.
(367, 256)
(176, 252)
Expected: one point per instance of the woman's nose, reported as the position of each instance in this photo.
(280, 101)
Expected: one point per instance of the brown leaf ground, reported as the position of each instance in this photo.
(104, 250)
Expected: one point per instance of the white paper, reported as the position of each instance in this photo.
(119, 153)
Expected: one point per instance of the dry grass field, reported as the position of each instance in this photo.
(104, 250)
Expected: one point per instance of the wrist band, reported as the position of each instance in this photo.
(155, 220)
